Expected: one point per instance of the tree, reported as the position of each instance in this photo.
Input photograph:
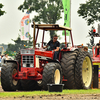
(19, 44)
(90, 11)
(49, 11)
(1, 12)
(91, 34)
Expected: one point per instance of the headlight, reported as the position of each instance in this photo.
(24, 65)
(31, 65)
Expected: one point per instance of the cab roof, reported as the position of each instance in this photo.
(51, 27)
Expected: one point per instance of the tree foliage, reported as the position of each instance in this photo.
(90, 11)
(19, 44)
(1, 12)
(91, 34)
(48, 11)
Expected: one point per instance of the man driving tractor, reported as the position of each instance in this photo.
(54, 46)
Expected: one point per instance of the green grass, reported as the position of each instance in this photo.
(34, 93)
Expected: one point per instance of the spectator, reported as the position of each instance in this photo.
(5, 57)
(98, 47)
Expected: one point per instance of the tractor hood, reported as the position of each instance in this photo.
(39, 53)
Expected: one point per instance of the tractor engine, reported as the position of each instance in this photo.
(31, 63)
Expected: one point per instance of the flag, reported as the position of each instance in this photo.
(25, 26)
(66, 6)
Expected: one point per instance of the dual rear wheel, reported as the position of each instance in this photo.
(77, 69)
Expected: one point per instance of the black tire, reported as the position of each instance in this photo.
(68, 68)
(49, 74)
(29, 85)
(83, 71)
(7, 82)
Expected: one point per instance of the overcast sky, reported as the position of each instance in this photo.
(10, 22)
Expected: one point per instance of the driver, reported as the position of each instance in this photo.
(98, 46)
(54, 46)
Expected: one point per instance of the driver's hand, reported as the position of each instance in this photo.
(44, 47)
(98, 46)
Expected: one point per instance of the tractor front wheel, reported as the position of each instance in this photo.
(52, 74)
(7, 81)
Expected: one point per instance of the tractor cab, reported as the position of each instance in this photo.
(39, 52)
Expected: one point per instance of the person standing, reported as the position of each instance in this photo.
(5, 57)
(98, 47)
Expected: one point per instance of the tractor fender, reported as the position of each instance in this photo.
(73, 49)
(11, 61)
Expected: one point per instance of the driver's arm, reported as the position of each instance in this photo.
(57, 49)
(98, 46)
(45, 46)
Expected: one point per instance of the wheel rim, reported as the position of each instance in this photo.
(87, 71)
(14, 81)
(57, 76)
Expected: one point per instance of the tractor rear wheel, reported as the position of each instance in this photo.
(52, 74)
(7, 81)
(68, 68)
(83, 71)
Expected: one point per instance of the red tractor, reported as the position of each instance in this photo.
(34, 68)
(96, 65)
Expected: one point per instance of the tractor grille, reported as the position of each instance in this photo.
(28, 61)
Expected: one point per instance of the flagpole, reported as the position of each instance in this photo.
(34, 36)
(70, 22)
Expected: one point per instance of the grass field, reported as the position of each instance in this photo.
(33, 93)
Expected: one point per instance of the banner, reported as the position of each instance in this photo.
(25, 27)
(66, 6)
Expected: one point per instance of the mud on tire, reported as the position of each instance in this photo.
(7, 82)
(52, 74)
